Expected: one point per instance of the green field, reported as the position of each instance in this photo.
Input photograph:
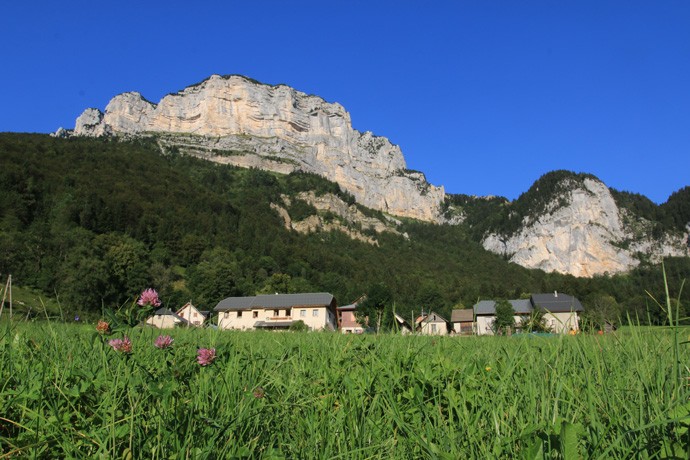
(66, 393)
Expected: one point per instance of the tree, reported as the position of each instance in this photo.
(379, 297)
(535, 322)
(504, 317)
(601, 309)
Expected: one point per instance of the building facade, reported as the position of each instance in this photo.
(278, 311)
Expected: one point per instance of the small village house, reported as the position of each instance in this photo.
(192, 315)
(164, 318)
(462, 321)
(277, 311)
(188, 315)
(560, 312)
(347, 318)
(431, 324)
(403, 326)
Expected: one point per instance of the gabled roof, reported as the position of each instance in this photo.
(432, 318)
(556, 302)
(164, 311)
(401, 321)
(462, 316)
(316, 299)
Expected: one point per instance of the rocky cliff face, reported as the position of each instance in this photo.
(583, 232)
(237, 121)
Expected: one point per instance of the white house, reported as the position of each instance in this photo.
(164, 318)
(277, 311)
(192, 315)
(431, 324)
(560, 312)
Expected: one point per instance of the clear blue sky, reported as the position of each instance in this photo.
(484, 97)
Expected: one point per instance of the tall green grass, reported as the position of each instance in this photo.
(65, 393)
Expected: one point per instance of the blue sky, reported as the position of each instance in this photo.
(483, 97)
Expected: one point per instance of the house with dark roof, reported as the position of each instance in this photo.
(165, 318)
(561, 312)
(188, 315)
(277, 311)
(462, 321)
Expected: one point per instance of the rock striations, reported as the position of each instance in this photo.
(234, 120)
(583, 232)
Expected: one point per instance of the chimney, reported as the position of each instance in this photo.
(555, 293)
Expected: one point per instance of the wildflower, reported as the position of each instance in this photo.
(487, 368)
(149, 297)
(123, 345)
(103, 327)
(259, 392)
(76, 318)
(163, 341)
(205, 356)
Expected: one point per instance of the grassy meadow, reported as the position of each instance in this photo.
(64, 392)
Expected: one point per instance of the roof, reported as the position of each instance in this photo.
(164, 311)
(315, 299)
(352, 306)
(433, 317)
(488, 307)
(556, 302)
(401, 321)
(485, 307)
(521, 306)
(463, 315)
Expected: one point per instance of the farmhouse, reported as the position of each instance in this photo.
(188, 315)
(192, 315)
(347, 318)
(431, 324)
(560, 312)
(164, 318)
(462, 321)
(277, 311)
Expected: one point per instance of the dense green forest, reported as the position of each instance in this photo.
(91, 222)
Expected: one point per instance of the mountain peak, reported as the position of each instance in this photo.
(234, 119)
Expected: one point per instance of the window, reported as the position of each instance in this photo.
(303, 313)
(255, 314)
(315, 313)
(239, 314)
(433, 328)
(227, 314)
(276, 312)
(195, 315)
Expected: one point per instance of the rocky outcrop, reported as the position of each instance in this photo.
(582, 233)
(238, 121)
(348, 218)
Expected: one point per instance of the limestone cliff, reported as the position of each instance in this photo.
(238, 121)
(582, 231)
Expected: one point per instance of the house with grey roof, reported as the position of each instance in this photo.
(165, 318)
(277, 311)
(561, 312)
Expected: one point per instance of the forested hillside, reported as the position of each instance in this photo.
(94, 221)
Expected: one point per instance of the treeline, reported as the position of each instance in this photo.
(94, 221)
